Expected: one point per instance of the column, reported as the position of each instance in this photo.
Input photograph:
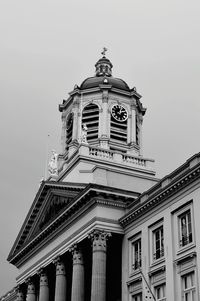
(31, 293)
(20, 294)
(61, 283)
(98, 291)
(44, 286)
(77, 275)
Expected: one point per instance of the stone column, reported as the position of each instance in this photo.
(20, 294)
(78, 275)
(44, 286)
(98, 291)
(61, 283)
(31, 293)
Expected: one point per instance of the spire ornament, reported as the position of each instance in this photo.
(104, 51)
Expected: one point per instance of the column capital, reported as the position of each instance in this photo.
(31, 286)
(77, 254)
(43, 277)
(99, 238)
(20, 294)
(60, 267)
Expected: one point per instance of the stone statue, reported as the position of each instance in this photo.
(53, 164)
(84, 134)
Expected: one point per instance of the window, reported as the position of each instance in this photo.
(160, 292)
(136, 253)
(188, 287)
(137, 297)
(185, 226)
(90, 117)
(158, 243)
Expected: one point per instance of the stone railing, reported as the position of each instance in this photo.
(128, 160)
(134, 160)
(98, 153)
(101, 153)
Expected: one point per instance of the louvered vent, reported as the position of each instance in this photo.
(118, 131)
(137, 130)
(69, 127)
(90, 117)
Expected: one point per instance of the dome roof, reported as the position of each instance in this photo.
(92, 82)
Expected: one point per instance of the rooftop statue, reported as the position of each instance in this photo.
(53, 164)
(84, 134)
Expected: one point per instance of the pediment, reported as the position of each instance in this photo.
(50, 201)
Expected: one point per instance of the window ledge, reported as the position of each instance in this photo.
(157, 262)
(134, 273)
(186, 248)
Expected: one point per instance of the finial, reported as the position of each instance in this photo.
(104, 51)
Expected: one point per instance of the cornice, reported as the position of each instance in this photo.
(87, 198)
(37, 203)
(108, 165)
(159, 197)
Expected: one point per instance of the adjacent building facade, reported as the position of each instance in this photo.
(102, 226)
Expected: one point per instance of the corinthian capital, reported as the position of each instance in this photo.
(43, 277)
(60, 267)
(99, 238)
(77, 254)
(31, 286)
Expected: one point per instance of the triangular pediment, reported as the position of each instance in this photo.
(50, 201)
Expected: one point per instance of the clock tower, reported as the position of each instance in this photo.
(102, 130)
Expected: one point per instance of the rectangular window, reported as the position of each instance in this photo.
(158, 243)
(160, 292)
(188, 287)
(137, 297)
(136, 253)
(185, 225)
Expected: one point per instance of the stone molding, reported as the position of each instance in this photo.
(165, 193)
(69, 213)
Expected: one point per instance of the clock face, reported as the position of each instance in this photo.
(119, 113)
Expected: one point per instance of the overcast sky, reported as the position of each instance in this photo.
(49, 46)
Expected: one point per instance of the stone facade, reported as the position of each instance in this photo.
(104, 228)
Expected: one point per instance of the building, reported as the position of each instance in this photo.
(103, 227)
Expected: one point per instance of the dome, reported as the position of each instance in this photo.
(92, 82)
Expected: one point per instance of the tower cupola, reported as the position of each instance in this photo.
(103, 67)
(104, 116)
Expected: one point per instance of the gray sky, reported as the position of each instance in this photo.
(49, 46)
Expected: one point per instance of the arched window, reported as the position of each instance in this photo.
(69, 128)
(90, 117)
